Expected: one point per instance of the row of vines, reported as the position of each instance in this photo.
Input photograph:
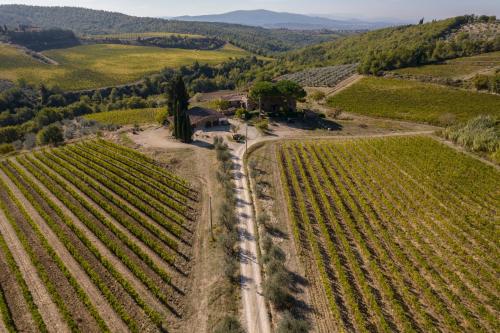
(403, 233)
(106, 231)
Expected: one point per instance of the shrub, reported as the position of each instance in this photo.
(47, 116)
(56, 101)
(479, 134)
(242, 114)
(10, 134)
(262, 125)
(229, 324)
(263, 219)
(50, 135)
(6, 148)
(482, 82)
(276, 291)
(317, 95)
(162, 117)
(289, 324)
(274, 253)
(231, 268)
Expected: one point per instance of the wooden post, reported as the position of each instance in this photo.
(210, 213)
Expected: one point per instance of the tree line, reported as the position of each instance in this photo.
(93, 22)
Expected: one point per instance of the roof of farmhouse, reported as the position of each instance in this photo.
(198, 114)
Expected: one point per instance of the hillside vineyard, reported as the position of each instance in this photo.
(108, 213)
(400, 240)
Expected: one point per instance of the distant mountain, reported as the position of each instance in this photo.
(276, 20)
(87, 21)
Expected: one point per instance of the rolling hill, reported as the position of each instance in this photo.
(403, 46)
(88, 21)
(276, 20)
(102, 65)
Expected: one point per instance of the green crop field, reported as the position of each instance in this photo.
(397, 234)
(414, 101)
(93, 66)
(105, 228)
(457, 68)
(126, 117)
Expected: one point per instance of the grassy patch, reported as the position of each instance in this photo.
(457, 68)
(126, 117)
(414, 101)
(93, 66)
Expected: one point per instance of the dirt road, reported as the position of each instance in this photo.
(254, 304)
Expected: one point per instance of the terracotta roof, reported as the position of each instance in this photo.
(198, 114)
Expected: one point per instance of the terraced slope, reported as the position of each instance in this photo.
(396, 234)
(107, 232)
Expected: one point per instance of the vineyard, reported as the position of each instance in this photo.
(413, 101)
(460, 68)
(127, 117)
(396, 234)
(103, 65)
(322, 77)
(93, 237)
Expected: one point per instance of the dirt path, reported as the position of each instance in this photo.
(114, 323)
(47, 308)
(254, 305)
(344, 84)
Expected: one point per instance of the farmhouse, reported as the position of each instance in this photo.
(201, 118)
(275, 104)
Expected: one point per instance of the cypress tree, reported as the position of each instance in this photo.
(178, 102)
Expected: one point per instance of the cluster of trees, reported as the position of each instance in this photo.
(87, 21)
(183, 42)
(286, 91)
(25, 109)
(44, 39)
(396, 47)
(173, 41)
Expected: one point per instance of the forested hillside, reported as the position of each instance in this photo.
(404, 46)
(87, 21)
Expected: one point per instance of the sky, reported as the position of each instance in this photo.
(402, 9)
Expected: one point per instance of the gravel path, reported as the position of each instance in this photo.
(254, 304)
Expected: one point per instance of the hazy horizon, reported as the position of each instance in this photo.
(364, 9)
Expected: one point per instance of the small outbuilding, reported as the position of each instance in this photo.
(201, 118)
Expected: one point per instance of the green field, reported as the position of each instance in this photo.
(93, 66)
(126, 117)
(414, 101)
(461, 68)
(396, 234)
